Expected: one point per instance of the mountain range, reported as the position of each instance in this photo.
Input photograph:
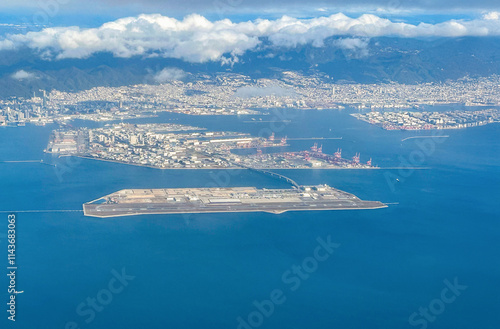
(342, 60)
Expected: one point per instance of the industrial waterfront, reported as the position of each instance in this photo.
(174, 146)
(384, 254)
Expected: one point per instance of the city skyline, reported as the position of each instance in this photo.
(237, 164)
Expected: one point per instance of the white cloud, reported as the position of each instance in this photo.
(169, 74)
(351, 43)
(7, 44)
(23, 75)
(355, 46)
(494, 15)
(196, 39)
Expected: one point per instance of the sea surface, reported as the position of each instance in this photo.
(442, 228)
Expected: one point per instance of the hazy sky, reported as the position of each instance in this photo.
(178, 8)
(222, 30)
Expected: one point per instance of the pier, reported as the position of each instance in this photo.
(22, 161)
(413, 137)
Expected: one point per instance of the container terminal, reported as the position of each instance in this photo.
(174, 146)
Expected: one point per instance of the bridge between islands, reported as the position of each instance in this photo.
(270, 173)
(262, 171)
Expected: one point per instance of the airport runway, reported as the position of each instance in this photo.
(116, 210)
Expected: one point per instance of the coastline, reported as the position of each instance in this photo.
(239, 168)
(239, 211)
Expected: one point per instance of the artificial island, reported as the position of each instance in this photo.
(227, 199)
(175, 146)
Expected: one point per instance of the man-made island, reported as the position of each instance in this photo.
(174, 146)
(228, 199)
(413, 120)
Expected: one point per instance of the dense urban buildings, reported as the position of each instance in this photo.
(235, 94)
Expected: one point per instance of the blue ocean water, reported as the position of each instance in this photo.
(206, 270)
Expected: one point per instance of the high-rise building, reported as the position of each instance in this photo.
(44, 98)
